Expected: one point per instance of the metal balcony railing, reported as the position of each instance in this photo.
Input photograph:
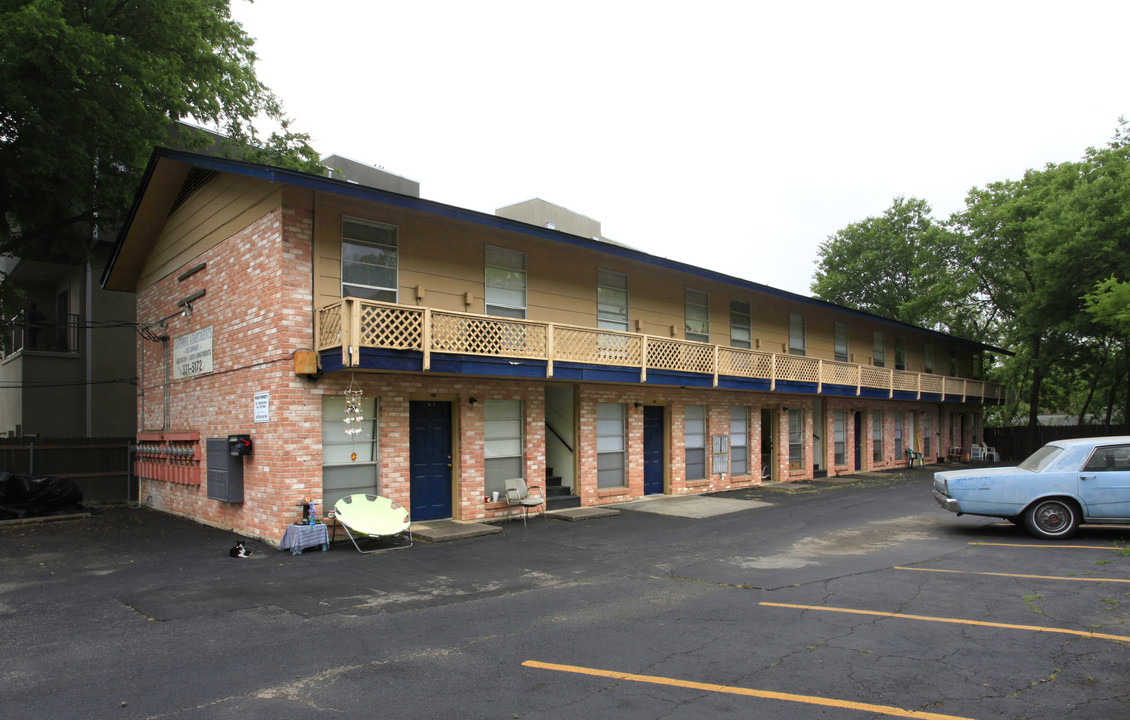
(351, 324)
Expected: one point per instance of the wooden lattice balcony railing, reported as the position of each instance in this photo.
(351, 324)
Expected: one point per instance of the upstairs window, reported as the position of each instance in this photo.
(611, 300)
(368, 260)
(928, 358)
(697, 305)
(900, 354)
(796, 334)
(741, 334)
(879, 354)
(505, 282)
(841, 332)
(953, 362)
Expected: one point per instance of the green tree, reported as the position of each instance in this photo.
(89, 87)
(899, 265)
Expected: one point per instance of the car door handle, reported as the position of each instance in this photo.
(1087, 477)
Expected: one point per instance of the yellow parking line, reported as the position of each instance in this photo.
(732, 690)
(1063, 547)
(954, 621)
(1014, 575)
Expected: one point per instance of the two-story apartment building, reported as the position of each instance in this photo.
(372, 341)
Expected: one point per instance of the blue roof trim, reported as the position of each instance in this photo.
(361, 192)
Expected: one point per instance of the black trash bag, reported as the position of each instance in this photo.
(24, 496)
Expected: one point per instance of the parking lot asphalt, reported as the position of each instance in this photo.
(841, 599)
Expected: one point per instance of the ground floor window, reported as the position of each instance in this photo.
(877, 436)
(796, 439)
(926, 432)
(349, 462)
(695, 441)
(839, 438)
(739, 441)
(610, 444)
(898, 435)
(502, 444)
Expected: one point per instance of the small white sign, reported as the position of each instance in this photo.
(192, 354)
(262, 407)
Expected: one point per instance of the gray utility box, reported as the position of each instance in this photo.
(225, 472)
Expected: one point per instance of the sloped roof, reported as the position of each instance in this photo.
(167, 170)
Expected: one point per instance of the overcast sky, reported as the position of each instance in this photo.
(731, 135)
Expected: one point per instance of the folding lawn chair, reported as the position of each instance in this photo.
(375, 517)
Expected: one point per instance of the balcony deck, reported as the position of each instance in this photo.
(363, 334)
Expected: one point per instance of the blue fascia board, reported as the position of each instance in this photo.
(905, 395)
(877, 393)
(733, 382)
(480, 365)
(797, 386)
(595, 373)
(679, 379)
(839, 390)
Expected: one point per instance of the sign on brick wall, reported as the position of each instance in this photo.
(192, 354)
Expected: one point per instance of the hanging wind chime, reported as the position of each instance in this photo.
(353, 416)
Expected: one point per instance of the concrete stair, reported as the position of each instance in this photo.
(557, 496)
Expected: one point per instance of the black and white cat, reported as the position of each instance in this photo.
(239, 551)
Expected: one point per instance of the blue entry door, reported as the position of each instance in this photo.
(653, 422)
(430, 459)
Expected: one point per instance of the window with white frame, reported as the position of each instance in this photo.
(739, 441)
(741, 332)
(611, 459)
(877, 436)
(898, 435)
(502, 444)
(611, 300)
(927, 433)
(928, 358)
(900, 354)
(879, 352)
(839, 437)
(697, 309)
(841, 348)
(796, 439)
(796, 334)
(694, 434)
(368, 260)
(349, 462)
(505, 282)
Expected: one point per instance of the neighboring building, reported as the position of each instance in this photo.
(479, 348)
(66, 365)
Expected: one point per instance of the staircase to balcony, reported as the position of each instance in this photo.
(558, 496)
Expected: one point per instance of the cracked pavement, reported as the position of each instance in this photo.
(133, 614)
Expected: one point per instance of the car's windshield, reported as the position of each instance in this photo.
(1039, 460)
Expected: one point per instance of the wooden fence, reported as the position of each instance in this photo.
(1015, 443)
(100, 466)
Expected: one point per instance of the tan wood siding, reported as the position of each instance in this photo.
(444, 259)
(215, 212)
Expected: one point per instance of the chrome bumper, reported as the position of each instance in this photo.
(947, 502)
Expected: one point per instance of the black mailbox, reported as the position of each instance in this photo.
(239, 445)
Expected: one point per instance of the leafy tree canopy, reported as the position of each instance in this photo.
(89, 87)
(896, 265)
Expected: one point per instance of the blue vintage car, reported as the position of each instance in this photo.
(1063, 484)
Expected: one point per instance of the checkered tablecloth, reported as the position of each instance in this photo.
(300, 537)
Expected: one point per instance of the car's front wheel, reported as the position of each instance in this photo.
(1052, 519)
